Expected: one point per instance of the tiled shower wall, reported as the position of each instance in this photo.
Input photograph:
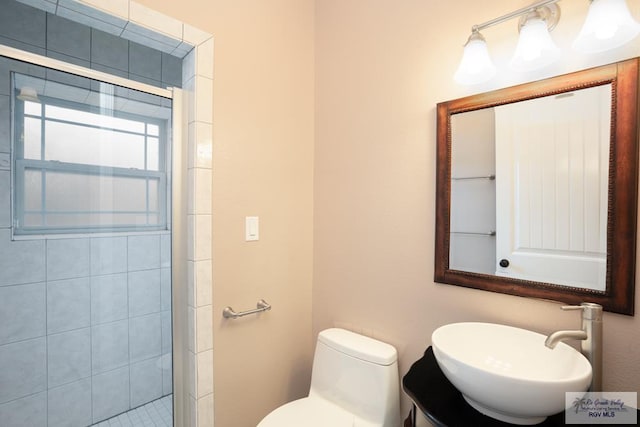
(37, 31)
(85, 327)
(85, 323)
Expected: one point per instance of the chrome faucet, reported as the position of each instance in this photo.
(590, 336)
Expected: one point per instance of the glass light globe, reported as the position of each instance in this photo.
(476, 65)
(609, 25)
(536, 49)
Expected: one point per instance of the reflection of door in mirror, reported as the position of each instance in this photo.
(473, 192)
(552, 157)
(571, 197)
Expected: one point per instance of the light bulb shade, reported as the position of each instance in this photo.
(609, 24)
(536, 49)
(476, 65)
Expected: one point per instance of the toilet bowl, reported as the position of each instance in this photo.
(354, 383)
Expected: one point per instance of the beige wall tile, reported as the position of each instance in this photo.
(204, 333)
(205, 373)
(205, 411)
(154, 20)
(119, 8)
(203, 294)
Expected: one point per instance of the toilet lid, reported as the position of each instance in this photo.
(308, 412)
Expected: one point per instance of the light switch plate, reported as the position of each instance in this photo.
(252, 228)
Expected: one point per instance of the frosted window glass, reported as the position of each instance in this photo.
(68, 192)
(96, 220)
(80, 192)
(153, 154)
(153, 195)
(92, 146)
(32, 138)
(88, 160)
(93, 119)
(128, 194)
(33, 220)
(33, 190)
(32, 108)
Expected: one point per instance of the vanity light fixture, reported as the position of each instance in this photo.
(536, 49)
(609, 24)
(476, 65)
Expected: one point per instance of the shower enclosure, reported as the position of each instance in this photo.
(85, 248)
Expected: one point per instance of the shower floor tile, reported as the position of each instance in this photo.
(158, 413)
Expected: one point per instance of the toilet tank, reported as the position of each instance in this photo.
(359, 374)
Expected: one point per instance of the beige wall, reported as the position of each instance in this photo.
(262, 165)
(381, 67)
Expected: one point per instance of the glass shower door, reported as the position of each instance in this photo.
(85, 265)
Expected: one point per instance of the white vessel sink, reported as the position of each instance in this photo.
(507, 373)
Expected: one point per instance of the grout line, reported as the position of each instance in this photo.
(90, 319)
(144, 414)
(24, 397)
(128, 303)
(46, 316)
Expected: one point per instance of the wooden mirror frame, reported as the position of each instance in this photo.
(618, 296)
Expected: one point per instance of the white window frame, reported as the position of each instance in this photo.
(21, 165)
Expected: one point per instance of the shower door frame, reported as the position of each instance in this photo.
(177, 213)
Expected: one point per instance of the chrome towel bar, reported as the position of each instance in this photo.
(229, 313)
(490, 233)
(460, 178)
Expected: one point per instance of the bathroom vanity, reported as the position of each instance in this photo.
(441, 403)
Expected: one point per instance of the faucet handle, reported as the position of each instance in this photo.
(590, 311)
(571, 307)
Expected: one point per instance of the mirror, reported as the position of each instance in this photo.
(537, 188)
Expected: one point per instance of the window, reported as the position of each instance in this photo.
(89, 156)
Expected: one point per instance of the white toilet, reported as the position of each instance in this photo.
(354, 383)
